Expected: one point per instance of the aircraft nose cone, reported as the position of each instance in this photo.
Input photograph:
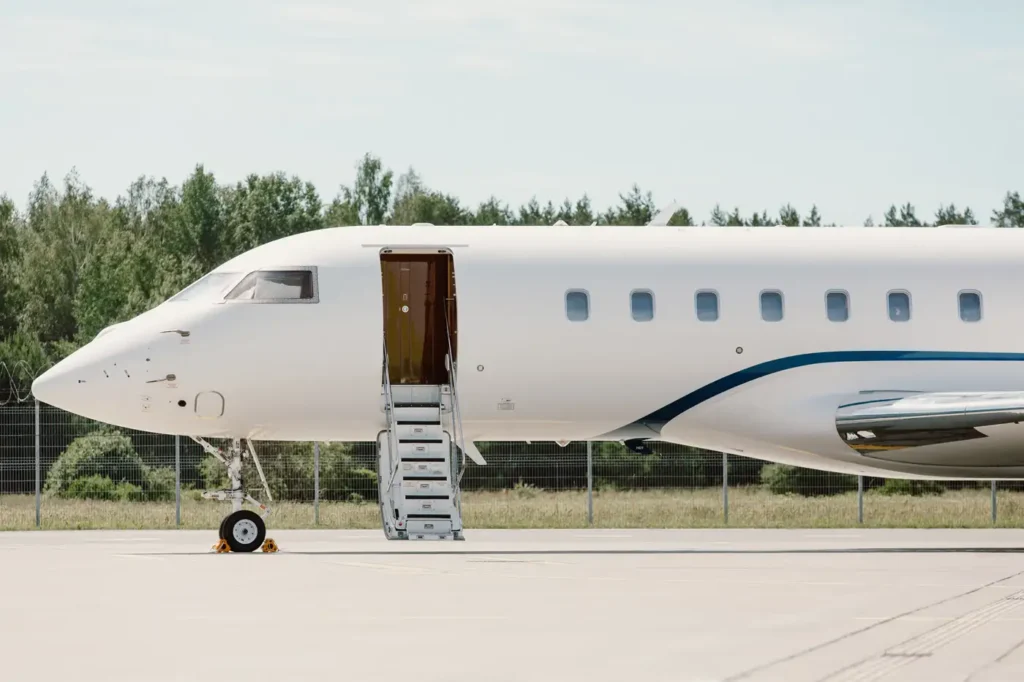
(43, 386)
(54, 386)
(111, 379)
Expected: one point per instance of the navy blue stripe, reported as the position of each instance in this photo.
(744, 376)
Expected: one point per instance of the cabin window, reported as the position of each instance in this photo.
(577, 306)
(899, 306)
(837, 304)
(642, 305)
(276, 286)
(771, 306)
(707, 306)
(970, 306)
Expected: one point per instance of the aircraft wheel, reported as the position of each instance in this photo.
(244, 531)
(223, 533)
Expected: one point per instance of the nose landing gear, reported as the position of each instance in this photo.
(242, 530)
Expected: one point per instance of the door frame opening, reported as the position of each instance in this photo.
(416, 356)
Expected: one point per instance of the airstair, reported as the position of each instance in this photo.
(420, 460)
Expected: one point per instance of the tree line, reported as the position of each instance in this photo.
(72, 263)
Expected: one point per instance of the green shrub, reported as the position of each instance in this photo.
(107, 455)
(525, 491)
(340, 479)
(159, 484)
(97, 487)
(902, 486)
(784, 479)
(290, 475)
(213, 474)
(363, 483)
(105, 452)
(780, 479)
(287, 467)
(609, 485)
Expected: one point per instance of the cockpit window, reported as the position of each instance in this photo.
(276, 286)
(208, 288)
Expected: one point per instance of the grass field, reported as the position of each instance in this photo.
(748, 508)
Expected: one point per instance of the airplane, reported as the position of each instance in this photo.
(890, 352)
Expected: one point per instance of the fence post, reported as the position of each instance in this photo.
(177, 481)
(993, 503)
(39, 477)
(860, 499)
(316, 484)
(590, 483)
(725, 487)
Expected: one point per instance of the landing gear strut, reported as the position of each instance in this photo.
(242, 530)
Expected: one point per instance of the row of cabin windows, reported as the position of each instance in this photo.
(837, 306)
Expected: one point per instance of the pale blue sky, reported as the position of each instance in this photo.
(853, 105)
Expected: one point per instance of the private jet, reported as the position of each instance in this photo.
(891, 352)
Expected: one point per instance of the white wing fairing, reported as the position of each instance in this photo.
(814, 410)
(937, 427)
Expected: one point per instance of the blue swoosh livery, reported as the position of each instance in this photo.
(690, 400)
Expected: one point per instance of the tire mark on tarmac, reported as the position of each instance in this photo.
(877, 666)
(744, 674)
(1006, 654)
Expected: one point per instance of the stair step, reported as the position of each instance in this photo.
(432, 451)
(424, 529)
(440, 489)
(415, 506)
(418, 414)
(410, 469)
(419, 433)
(429, 395)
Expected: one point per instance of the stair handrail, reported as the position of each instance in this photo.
(456, 409)
(389, 411)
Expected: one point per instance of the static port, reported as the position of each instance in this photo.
(182, 403)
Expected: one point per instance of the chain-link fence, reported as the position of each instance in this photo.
(61, 471)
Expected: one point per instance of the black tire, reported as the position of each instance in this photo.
(223, 533)
(246, 541)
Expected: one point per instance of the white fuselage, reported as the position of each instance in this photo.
(739, 384)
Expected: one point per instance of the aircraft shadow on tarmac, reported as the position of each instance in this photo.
(612, 552)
